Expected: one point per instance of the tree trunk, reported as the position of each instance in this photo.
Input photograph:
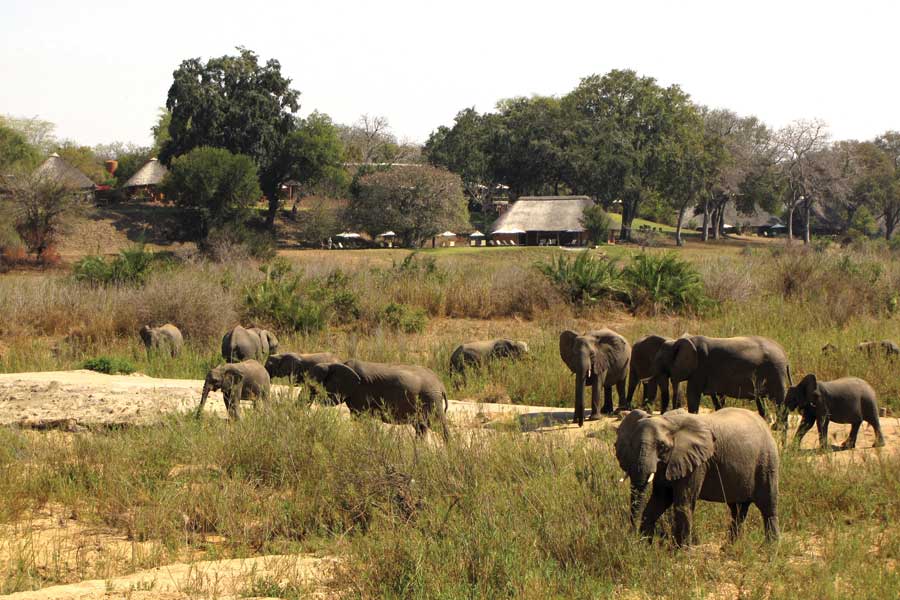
(715, 222)
(890, 222)
(807, 206)
(678, 240)
(790, 226)
(706, 219)
(271, 192)
(625, 230)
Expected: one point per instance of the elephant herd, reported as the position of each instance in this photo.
(727, 456)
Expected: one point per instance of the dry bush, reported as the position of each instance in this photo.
(728, 280)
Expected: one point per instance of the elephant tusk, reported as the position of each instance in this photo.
(649, 481)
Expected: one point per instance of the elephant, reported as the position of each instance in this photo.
(846, 400)
(478, 353)
(401, 393)
(243, 344)
(727, 456)
(739, 367)
(165, 337)
(238, 381)
(881, 348)
(643, 351)
(296, 366)
(599, 359)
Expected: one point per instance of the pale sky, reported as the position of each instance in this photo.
(100, 70)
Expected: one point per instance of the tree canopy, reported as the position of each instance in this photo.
(235, 103)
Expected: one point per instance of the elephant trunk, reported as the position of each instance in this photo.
(637, 501)
(579, 399)
(206, 389)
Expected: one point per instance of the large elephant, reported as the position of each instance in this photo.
(750, 367)
(478, 353)
(247, 380)
(296, 366)
(243, 344)
(166, 337)
(727, 456)
(396, 393)
(846, 400)
(643, 353)
(599, 359)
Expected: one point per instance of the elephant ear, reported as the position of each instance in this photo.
(693, 443)
(684, 359)
(810, 386)
(567, 349)
(626, 438)
(343, 377)
(273, 341)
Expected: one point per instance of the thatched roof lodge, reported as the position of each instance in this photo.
(57, 169)
(152, 173)
(543, 220)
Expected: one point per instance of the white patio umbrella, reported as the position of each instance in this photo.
(476, 233)
(507, 231)
(347, 234)
(387, 234)
(448, 234)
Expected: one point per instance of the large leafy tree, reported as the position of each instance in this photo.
(628, 120)
(888, 204)
(416, 202)
(218, 184)
(313, 154)
(465, 150)
(236, 103)
(15, 151)
(799, 143)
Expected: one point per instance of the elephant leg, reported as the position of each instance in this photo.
(693, 397)
(822, 424)
(632, 386)
(805, 425)
(684, 499)
(607, 400)
(718, 401)
(879, 437)
(738, 514)
(650, 392)
(624, 404)
(770, 515)
(660, 501)
(850, 442)
(676, 396)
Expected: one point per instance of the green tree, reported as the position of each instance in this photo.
(314, 154)
(15, 151)
(465, 150)
(37, 132)
(160, 131)
(220, 185)
(414, 202)
(234, 102)
(130, 158)
(597, 223)
(626, 122)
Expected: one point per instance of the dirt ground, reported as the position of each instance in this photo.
(71, 551)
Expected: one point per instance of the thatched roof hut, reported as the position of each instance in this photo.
(540, 220)
(152, 173)
(57, 169)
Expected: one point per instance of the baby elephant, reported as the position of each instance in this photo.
(296, 366)
(476, 354)
(846, 400)
(168, 337)
(396, 393)
(246, 380)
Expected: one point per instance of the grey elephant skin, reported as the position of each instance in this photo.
(243, 344)
(396, 393)
(246, 380)
(727, 456)
(849, 400)
(880, 348)
(166, 337)
(749, 367)
(599, 359)
(643, 353)
(297, 366)
(476, 354)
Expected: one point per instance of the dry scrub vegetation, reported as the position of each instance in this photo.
(494, 514)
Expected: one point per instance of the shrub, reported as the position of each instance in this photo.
(109, 365)
(236, 241)
(597, 223)
(663, 283)
(401, 317)
(131, 267)
(585, 279)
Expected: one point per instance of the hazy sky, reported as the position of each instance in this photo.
(100, 70)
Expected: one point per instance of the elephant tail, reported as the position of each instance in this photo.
(790, 379)
(445, 431)
(446, 402)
